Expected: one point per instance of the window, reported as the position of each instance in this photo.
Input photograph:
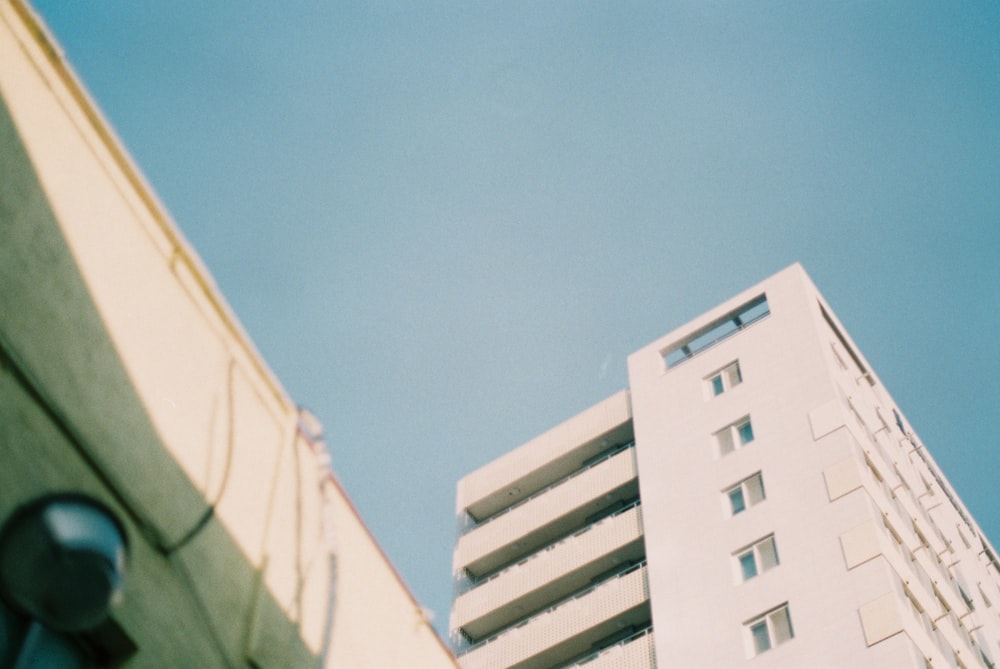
(745, 494)
(756, 558)
(742, 317)
(734, 436)
(770, 629)
(725, 379)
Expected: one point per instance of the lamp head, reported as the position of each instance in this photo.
(62, 561)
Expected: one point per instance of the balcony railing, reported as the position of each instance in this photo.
(633, 652)
(550, 573)
(560, 622)
(606, 456)
(518, 533)
(477, 582)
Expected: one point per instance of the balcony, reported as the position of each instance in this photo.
(569, 629)
(546, 458)
(635, 652)
(543, 519)
(550, 574)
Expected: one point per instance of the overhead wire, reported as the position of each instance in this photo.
(19, 370)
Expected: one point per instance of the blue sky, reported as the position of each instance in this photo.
(445, 225)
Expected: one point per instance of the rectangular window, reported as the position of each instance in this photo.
(756, 558)
(761, 637)
(745, 432)
(745, 494)
(733, 322)
(770, 629)
(734, 436)
(724, 379)
(737, 500)
(724, 441)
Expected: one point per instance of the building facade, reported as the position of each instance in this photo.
(127, 382)
(755, 497)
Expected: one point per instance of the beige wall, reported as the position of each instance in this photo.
(93, 263)
(377, 624)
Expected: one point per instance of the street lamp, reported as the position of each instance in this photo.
(62, 561)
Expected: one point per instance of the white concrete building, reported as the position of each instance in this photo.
(755, 498)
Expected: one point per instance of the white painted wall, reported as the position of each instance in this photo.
(796, 395)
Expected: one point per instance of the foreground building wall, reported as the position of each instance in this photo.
(124, 376)
(790, 516)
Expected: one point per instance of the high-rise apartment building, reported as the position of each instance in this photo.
(755, 497)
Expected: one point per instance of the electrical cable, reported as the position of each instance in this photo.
(33, 389)
(22, 376)
(311, 430)
(203, 521)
